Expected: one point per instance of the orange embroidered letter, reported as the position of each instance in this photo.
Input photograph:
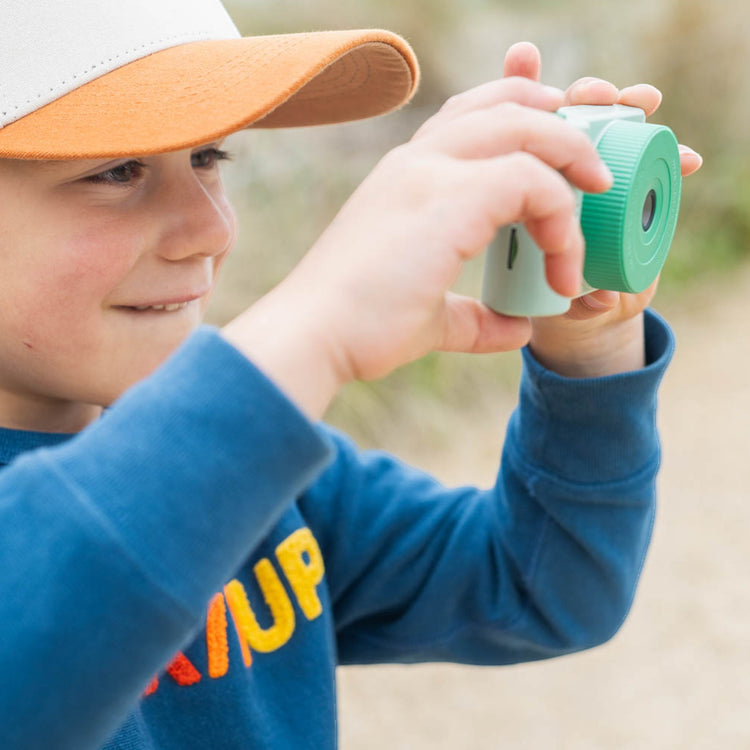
(278, 602)
(216, 637)
(303, 574)
(183, 672)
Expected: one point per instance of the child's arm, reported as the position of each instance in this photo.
(547, 562)
(543, 564)
(372, 294)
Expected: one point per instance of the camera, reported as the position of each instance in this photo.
(628, 230)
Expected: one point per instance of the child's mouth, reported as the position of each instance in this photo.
(171, 307)
(167, 308)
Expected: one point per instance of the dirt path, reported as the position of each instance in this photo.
(678, 673)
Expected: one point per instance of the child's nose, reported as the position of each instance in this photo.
(200, 222)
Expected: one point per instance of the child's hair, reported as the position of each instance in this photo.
(145, 77)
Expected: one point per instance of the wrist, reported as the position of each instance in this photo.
(589, 349)
(283, 340)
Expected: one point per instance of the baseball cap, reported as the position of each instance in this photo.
(91, 79)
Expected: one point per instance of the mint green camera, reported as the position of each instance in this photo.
(628, 230)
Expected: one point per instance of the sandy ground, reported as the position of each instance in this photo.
(677, 675)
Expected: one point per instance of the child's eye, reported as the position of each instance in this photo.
(122, 174)
(208, 158)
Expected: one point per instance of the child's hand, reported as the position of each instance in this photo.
(372, 294)
(602, 333)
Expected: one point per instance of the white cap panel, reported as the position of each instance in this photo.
(91, 38)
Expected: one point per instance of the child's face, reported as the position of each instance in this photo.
(105, 267)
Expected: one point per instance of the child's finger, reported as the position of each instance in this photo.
(642, 95)
(563, 265)
(473, 328)
(523, 59)
(690, 161)
(508, 127)
(603, 301)
(591, 91)
(521, 188)
(563, 276)
(519, 90)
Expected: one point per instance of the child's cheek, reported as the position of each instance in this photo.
(73, 287)
(98, 258)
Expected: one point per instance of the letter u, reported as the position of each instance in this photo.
(275, 596)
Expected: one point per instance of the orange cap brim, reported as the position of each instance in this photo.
(199, 92)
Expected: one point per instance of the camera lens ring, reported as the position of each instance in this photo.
(649, 210)
(644, 248)
(620, 255)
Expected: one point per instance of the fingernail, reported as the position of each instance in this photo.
(606, 174)
(597, 82)
(593, 303)
(689, 151)
(594, 300)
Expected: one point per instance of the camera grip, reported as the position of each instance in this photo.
(514, 281)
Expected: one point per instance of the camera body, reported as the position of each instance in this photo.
(628, 230)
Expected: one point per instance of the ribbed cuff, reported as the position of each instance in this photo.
(601, 429)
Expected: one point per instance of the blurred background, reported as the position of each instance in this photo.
(677, 674)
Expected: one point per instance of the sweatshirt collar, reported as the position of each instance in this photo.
(15, 442)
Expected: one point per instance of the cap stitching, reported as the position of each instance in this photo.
(281, 50)
(186, 37)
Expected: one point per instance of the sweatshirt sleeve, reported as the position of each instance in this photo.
(544, 563)
(113, 543)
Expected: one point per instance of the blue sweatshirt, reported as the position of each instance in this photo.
(188, 571)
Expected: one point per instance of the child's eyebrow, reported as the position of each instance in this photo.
(54, 163)
(34, 163)
(58, 165)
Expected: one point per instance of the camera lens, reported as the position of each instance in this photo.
(628, 229)
(649, 210)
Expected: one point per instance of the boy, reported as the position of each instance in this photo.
(207, 523)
